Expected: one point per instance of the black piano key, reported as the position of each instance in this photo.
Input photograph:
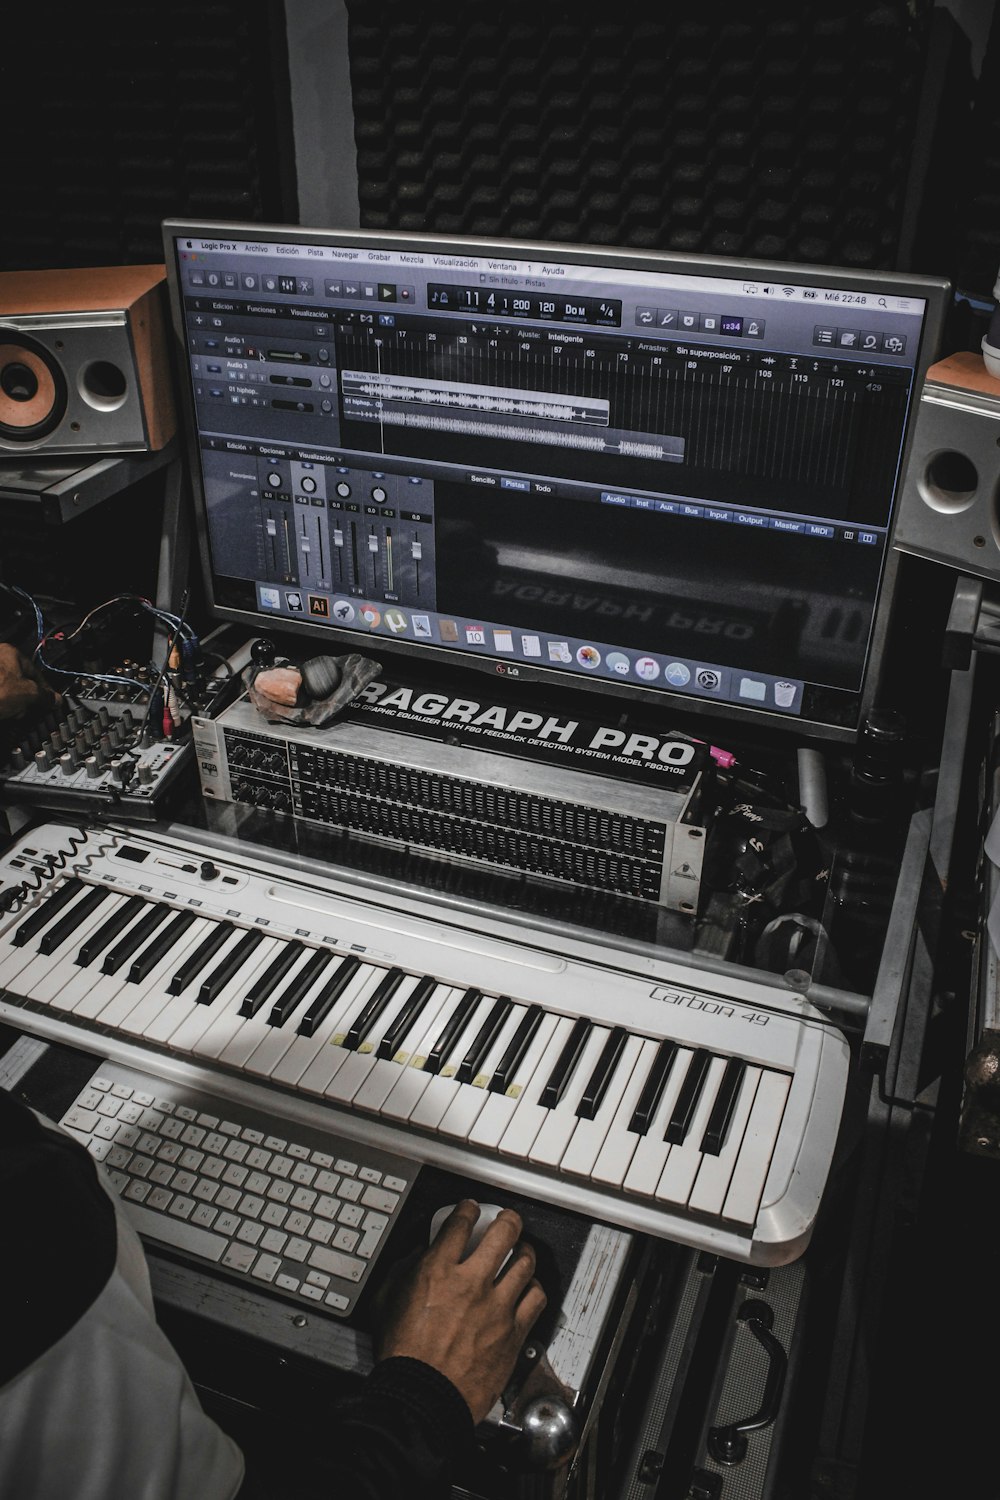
(597, 1084)
(451, 1031)
(298, 987)
(159, 947)
(50, 908)
(70, 921)
(519, 1044)
(652, 1089)
(714, 1138)
(487, 1035)
(329, 995)
(687, 1098)
(373, 1008)
(565, 1064)
(263, 987)
(135, 937)
(109, 930)
(412, 1006)
(195, 962)
(228, 967)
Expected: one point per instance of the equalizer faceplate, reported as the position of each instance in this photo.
(555, 798)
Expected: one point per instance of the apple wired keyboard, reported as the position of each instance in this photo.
(628, 1086)
(260, 1198)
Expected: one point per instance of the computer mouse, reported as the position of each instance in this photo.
(487, 1213)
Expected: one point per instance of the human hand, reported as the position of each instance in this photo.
(22, 686)
(453, 1314)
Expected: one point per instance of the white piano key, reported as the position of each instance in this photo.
(359, 1062)
(102, 988)
(754, 1159)
(14, 960)
(311, 1061)
(273, 1042)
(78, 980)
(179, 1007)
(135, 1005)
(47, 977)
(498, 1111)
(154, 998)
(386, 1073)
(650, 1155)
(551, 1141)
(413, 1079)
(191, 1027)
(715, 1172)
(464, 1109)
(681, 1168)
(226, 1020)
(619, 1145)
(529, 1116)
(444, 1086)
(255, 1028)
(589, 1135)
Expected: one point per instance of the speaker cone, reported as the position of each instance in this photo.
(32, 389)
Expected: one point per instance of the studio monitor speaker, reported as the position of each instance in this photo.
(950, 505)
(84, 366)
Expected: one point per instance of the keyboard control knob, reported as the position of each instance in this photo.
(209, 871)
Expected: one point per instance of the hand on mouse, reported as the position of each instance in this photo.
(452, 1314)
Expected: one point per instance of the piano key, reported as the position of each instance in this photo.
(115, 922)
(265, 986)
(311, 1061)
(566, 1063)
(112, 998)
(47, 979)
(226, 1014)
(688, 1097)
(616, 1152)
(392, 1039)
(299, 986)
(206, 950)
(591, 1131)
(57, 932)
(754, 1160)
(681, 1167)
(647, 1102)
(48, 908)
(366, 1022)
(135, 936)
(191, 1029)
(138, 1007)
(388, 1071)
(229, 965)
(553, 1138)
(604, 1071)
(414, 1077)
(530, 1114)
(483, 1040)
(651, 1152)
(506, 1069)
(455, 1024)
(444, 1085)
(360, 1061)
(182, 1002)
(168, 937)
(716, 1169)
(722, 1109)
(498, 1111)
(328, 994)
(272, 1041)
(464, 1109)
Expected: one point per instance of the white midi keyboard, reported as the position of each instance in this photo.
(637, 1090)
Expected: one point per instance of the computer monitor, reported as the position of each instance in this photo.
(659, 477)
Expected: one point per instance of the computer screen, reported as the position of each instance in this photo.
(654, 476)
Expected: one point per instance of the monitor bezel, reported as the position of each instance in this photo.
(936, 291)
